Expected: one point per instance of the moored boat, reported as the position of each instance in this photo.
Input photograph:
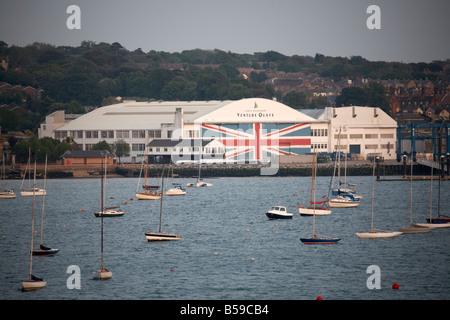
(278, 212)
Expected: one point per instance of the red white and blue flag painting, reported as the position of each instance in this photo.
(256, 141)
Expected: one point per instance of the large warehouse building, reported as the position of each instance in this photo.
(248, 130)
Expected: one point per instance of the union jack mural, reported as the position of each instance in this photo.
(256, 141)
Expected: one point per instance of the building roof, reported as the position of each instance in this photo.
(179, 143)
(150, 115)
(87, 154)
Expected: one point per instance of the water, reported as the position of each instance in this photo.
(229, 249)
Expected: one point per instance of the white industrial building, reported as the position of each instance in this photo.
(247, 130)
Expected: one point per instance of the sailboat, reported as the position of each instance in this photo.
(435, 222)
(33, 283)
(161, 236)
(43, 250)
(312, 210)
(200, 182)
(150, 192)
(343, 197)
(107, 211)
(177, 189)
(376, 233)
(413, 228)
(103, 273)
(30, 191)
(315, 239)
(5, 193)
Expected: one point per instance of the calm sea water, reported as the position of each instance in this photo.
(229, 249)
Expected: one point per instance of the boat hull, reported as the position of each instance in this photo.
(415, 228)
(113, 213)
(102, 275)
(45, 253)
(272, 215)
(30, 193)
(175, 192)
(7, 195)
(435, 225)
(319, 240)
(33, 285)
(148, 195)
(378, 235)
(311, 211)
(162, 236)
(343, 203)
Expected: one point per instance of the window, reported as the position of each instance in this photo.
(122, 134)
(371, 136)
(154, 134)
(138, 134)
(138, 147)
(387, 135)
(371, 146)
(356, 136)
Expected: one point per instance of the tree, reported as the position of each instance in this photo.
(296, 99)
(121, 148)
(102, 145)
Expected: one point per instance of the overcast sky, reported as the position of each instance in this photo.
(411, 30)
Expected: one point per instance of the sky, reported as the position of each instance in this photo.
(410, 30)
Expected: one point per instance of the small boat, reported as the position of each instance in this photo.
(374, 234)
(200, 183)
(33, 283)
(378, 234)
(103, 273)
(176, 190)
(318, 211)
(160, 235)
(151, 195)
(413, 228)
(30, 192)
(110, 212)
(343, 202)
(434, 224)
(278, 212)
(107, 211)
(36, 191)
(6, 193)
(44, 251)
(319, 240)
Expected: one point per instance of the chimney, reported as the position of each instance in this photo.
(178, 121)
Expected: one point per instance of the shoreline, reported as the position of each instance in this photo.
(355, 168)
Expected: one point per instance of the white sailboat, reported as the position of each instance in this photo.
(44, 250)
(5, 193)
(413, 228)
(434, 223)
(107, 211)
(373, 234)
(30, 192)
(200, 183)
(177, 189)
(33, 283)
(150, 193)
(103, 273)
(312, 209)
(160, 235)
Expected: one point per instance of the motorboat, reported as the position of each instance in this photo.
(278, 212)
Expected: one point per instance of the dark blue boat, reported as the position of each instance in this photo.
(319, 240)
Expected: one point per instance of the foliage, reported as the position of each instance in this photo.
(53, 148)
(121, 148)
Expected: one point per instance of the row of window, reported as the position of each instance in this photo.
(107, 134)
(366, 136)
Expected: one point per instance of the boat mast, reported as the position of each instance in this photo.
(43, 199)
(101, 211)
(162, 196)
(314, 186)
(32, 222)
(373, 189)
